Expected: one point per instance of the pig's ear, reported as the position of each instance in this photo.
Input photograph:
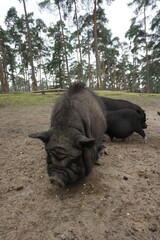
(44, 136)
(83, 141)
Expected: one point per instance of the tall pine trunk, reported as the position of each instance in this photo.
(3, 81)
(146, 48)
(79, 42)
(65, 56)
(96, 45)
(89, 62)
(3, 74)
(34, 81)
(124, 74)
(134, 74)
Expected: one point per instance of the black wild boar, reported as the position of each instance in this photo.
(117, 104)
(74, 138)
(122, 123)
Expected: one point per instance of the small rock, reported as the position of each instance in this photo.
(153, 228)
(125, 178)
(64, 237)
(19, 188)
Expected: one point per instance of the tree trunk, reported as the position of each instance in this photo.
(146, 48)
(89, 62)
(134, 73)
(13, 82)
(3, 72)
(124, 75)
(79, 42)
(3, 81)
(103, 75)
(64, 46)
(96, 45)
(45, 74)
(34, 81)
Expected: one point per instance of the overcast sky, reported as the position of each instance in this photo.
(119, 14)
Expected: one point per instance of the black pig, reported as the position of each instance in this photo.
(122, 123)
(74, 138)
(117, 104)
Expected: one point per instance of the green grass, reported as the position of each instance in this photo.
(28, 99)
(128, 95)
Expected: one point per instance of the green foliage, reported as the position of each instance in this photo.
(56, 49)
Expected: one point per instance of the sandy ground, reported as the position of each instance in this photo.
(119, 200)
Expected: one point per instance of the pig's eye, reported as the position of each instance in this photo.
(75, 159)
(60, 153)
(57, 156)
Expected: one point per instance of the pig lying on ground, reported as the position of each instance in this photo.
(117, 104)
(122, 123)
(74, 138)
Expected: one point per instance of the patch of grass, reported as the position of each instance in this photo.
(128, 95)
(28, 99)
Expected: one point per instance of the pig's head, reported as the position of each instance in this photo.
(142, 114)
(69, 159)
(144, 125)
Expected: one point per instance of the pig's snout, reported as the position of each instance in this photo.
(144, 126)
(58, 180)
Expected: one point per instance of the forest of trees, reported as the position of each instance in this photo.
(79, 46)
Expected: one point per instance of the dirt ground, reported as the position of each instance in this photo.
(119, 200)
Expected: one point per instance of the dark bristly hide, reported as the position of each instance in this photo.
(118, 104)
(77, 130)
(124, 122)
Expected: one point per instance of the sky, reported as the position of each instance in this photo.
(118, 14)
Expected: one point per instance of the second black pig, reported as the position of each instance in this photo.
(122, 123)
(117, 104)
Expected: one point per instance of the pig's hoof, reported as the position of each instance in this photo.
(145, 139)
(98, 162)
(104, 151)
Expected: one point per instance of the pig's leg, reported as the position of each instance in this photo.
(142, 133)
